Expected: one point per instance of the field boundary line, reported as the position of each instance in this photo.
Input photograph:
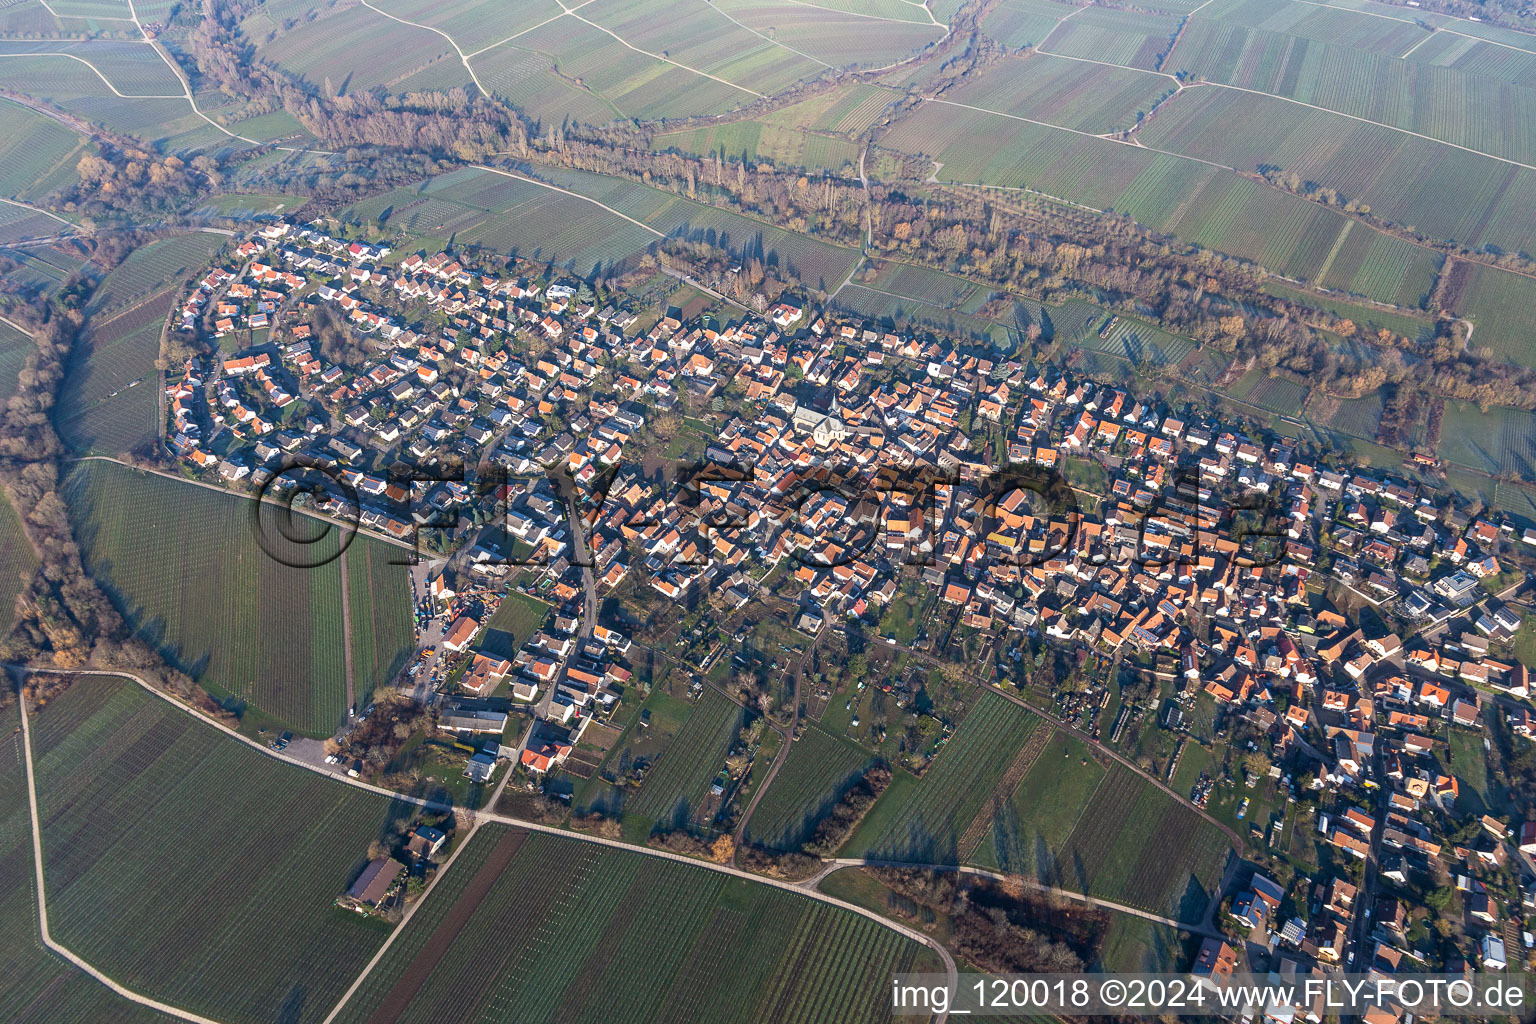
(482, 816)
(42, 895)
(428, 28)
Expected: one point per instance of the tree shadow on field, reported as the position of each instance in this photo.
(921, 845)
(292, 1009)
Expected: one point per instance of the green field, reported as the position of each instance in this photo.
(1499, 305)
(1134, 944)
(818, 770)
(183, 563)
(357, 49)
(480, 208)
(150, 268)
(758, 140)
(539, 927)
(108, 404)
(1066, 93)
(37, 154)
(1445, 192)
(676, 785)
(17, 559)
(926, 819)
(1349, 63)
(378, 591)
(39, 987)
(515, 621)
(1094, 826)
(1497, 441)
(234, 917)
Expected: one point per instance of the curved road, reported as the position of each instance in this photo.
(480, 818)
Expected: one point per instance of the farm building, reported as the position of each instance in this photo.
(373, 885)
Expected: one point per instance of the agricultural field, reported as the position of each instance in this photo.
(759, 140)
(37, 154)
(244, 205)
(14, 349)
(41, 269)
(839, 33)
(707, 42)
(1066, 93)
(818, 771)
(1278, 395)
(815, 262)
(1091, 825)
(108, 403)
(1134, 944)
(472, 24)
(379, 594)
(1445, 192)
(620, 81)
(1499, 304)
(516, 618)
(236, 917)
(930, 819)
(150, 268)
(152, 107)
(1205, 205)
(1138, 342)
(675, 786)
(1349, 63)
(38, 986)
(846, 110)
(17, 560)
(480, 208)
(356, 49)
(1021, 23)
(19, 224)
(1132, 38)
(554, 927)
(1497, 441)
(184, 565)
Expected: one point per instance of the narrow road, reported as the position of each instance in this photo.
(480, 817)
